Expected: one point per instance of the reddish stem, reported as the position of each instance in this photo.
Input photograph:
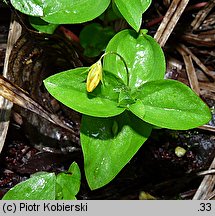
(69, 34)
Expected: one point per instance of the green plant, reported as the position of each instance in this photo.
(94, 39)
(127, 96)
(79, 11)
(48, 186)
(120, 112)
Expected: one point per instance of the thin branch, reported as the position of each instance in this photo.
(18, 96)
(170, 20)
(202, 14)
(191, 73)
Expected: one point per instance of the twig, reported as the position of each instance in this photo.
(5, 105)
(208, 127)
(202, 14)
(192, 77)
(170, 20)
(206, 187)
(212, 196)
(207, 86)
(206, 172)
(207, 72)
(18, 96)
(203, 39)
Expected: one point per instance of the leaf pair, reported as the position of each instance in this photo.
(164, 103)
(145, 61)
(79, 11)
(48, 186)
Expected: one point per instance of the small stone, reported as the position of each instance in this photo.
(179, 151)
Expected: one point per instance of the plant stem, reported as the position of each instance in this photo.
(122, 59)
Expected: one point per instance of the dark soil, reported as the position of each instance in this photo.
(154, 169)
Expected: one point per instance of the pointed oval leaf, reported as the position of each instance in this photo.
(108, 144)
(69, 182)
(41, 25)
(170, 104)
(38, 187)
(132, 11)
(142, 54)
(62, 11)
(69, 87)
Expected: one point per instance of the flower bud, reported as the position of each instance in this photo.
(94, 76)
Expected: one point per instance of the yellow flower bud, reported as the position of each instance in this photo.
(94, 76)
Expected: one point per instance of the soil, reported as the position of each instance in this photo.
(155, 169)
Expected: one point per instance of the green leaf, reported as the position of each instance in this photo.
(94, 38)
(42, 26)
(62, 11)
(38, 187)
(111, 13)
(142, 54)
(170, 104)
(116, 10)
(69, 183)
(31, 7)
(108, 144)
(125, 98)
(132, 11)
(69, 87)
